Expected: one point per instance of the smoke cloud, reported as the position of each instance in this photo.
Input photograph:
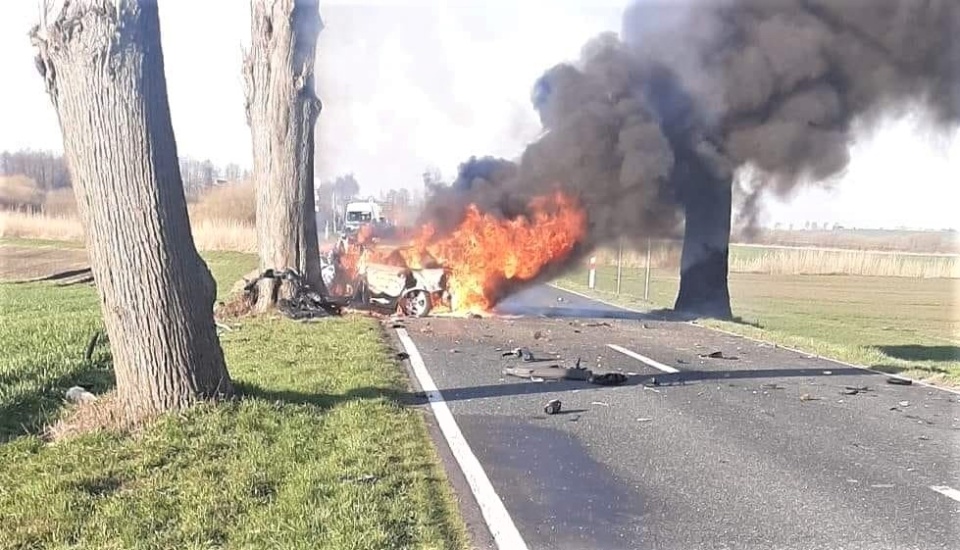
(691, 93)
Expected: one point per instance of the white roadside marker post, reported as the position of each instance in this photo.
(592, 277)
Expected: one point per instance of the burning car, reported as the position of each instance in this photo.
(384, 286)
(415, 292)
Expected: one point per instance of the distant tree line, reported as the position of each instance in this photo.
(48, 170)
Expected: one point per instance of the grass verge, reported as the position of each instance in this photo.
(318, 454)
(907, 326)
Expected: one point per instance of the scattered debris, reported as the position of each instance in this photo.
(681, 362)
(403, 356)
(654, 381)
(600, 403)
(552, 407)
(522, 353)
(454, 350)
(77, 394)
(771, 387)
(854, 390)
(904, 403)
(719, 355)
(828, 372)
(537, 335)
(644, 419)
(221, 326)
(882, 486)
(552, 372)
(899, 381)
(808, 397)
(397, 324)
(600, 324)
(924, 438)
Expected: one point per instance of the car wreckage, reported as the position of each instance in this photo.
(386, 287)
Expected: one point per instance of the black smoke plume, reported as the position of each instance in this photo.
(657, 121)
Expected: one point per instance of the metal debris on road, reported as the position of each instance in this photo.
(719, 355)
(854, 390)
(899, 381)
(522, 353)
(552, 372)
(644, 419)
(552, 407)
(904, 403)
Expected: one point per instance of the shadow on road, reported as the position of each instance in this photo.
(652, 380)
(576, 313)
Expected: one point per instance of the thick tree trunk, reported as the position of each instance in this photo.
(282, 110)
(103, 67)
(707, 202)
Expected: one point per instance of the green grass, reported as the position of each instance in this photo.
(40, 243)
(909, 326)
(319, 453)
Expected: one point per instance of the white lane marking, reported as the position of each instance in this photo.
(501, 525)
(643, 359)
(761, 341)
(948, 492)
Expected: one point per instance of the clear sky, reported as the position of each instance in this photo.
(407, 85)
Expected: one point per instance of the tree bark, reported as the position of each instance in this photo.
(282, 110)
(103, 69)
(707, 202)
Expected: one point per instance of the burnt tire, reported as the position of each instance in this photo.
(416, 303)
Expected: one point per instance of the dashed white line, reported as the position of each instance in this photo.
(501, 525)
(643, 359)
(948, 492)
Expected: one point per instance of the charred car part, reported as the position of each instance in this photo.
(304, 302)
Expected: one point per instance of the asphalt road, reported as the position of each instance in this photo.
(761, 451)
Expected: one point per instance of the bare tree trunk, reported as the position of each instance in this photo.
(103, 67)
(707, 202)
(282, 110)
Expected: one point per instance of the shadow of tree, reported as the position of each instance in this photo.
(913, 352)
(27, 412)
(324, 400)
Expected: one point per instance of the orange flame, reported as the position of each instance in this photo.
(488, 257)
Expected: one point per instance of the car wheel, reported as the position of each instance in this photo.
(416, 303)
